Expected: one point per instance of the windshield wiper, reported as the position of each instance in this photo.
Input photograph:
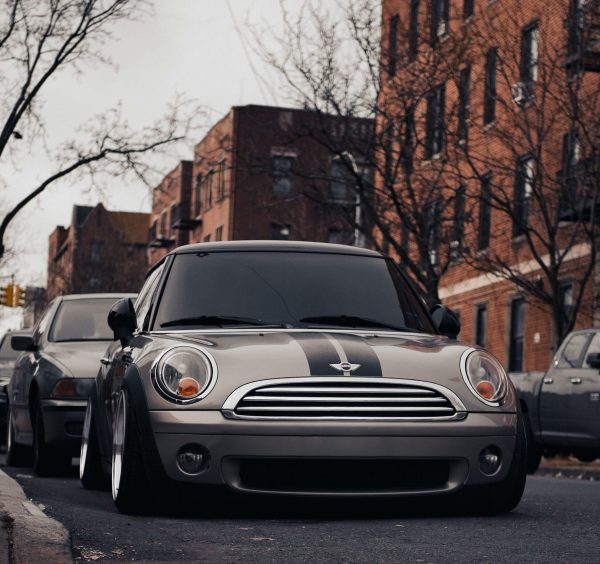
(354, 321)
(220, 321)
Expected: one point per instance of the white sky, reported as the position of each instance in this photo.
(185, 46)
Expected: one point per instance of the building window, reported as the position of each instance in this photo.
(468, 9)
(221, 181)
(96, 251)
(405, 237)
(464, 95)
(198, 196)
(413, 30)
(530, 53)
(572, 353)
(523, 191)
(163, 224)
(281, 232)
(153, 228)
(456, 246)
(172, 218)
(489, 103)
(485, 213)
(340, 236)
(481, 325)
(207, 238)
(517, 335)
(440, 18)
(576, 26)
(434, 219)
(393, 45)
(209, 188)
(219, 233)
(568, 174)
(434, 140)
(340, 183)
(566, 299)
(282, 175)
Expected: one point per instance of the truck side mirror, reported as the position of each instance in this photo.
(122, 320)
(593, 359)
(446, 321)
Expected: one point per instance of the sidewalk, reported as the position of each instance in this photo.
(28, 535)
(568, 467)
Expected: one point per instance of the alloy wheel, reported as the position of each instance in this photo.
(118, 445)
(85, 438)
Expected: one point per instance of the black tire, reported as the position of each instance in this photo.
(129, 480)
(504, 496)
(534, 449)
(91, 473)
(47, 460)
(16, 454)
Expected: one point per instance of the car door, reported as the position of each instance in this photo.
(584, 408)
(556, 390)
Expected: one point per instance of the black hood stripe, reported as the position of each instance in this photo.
(320, 353)
(359, 352)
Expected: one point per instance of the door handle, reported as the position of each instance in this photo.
(575, 380)
(548, 380)
(105, 361)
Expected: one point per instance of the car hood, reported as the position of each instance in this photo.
(250, 356)
(79, 359)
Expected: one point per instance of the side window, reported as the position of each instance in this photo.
(572, 353)
(144, 300)
(593, 348)
(42, 326)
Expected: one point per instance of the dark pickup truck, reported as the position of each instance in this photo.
(562, 406)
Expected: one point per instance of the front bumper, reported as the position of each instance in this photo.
(237, 452)
(63, 422)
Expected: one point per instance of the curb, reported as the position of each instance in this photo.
(32, 535)
(575, 472)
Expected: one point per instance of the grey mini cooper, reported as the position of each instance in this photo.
(298, 369)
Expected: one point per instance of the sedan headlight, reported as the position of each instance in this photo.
(184, 374)
(485, 377)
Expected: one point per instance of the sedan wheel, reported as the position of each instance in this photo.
(90, 464)
(130, 488)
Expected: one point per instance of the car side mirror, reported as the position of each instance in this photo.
(593, 359)
(23, 343)
(446, 321)
(122, 320)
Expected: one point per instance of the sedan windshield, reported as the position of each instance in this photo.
(82, 320)
(288, 289)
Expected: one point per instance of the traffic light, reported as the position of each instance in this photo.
(18, 296)
(7, 295)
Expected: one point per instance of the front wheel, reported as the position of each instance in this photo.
(90, 464)
(130, 489)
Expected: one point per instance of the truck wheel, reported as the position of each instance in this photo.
(504, 496)
(47, 461)
(534, 450)
(16, 454)
(91, 473)
(130, 487)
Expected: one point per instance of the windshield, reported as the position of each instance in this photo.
(7, 353)
(82, 320)
(288, 289)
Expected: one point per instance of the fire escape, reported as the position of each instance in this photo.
(583, 31)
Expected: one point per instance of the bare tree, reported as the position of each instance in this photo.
(353, 68)
(39, 39)
(535, 168)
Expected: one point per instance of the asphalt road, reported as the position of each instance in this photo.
(557, 521)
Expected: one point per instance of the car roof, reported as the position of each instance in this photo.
(292, 246)
(99, 296)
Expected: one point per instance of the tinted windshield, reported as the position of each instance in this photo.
(7, 353)
(82, 320)
(289, 289)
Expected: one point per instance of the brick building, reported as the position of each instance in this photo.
(101, 251)
(498, 121)
(260, 173)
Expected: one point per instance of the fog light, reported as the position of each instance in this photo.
(489, 460)
(192, 459)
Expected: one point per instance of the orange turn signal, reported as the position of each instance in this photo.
(486, 389)
(188, 387)
(65, 387)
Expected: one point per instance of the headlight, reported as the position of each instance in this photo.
(184, 374)
(484, 376)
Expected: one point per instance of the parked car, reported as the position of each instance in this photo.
(7, 363)
(298, 369)
(48, 390)
(561, 407)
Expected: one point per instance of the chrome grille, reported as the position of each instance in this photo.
(338, 398)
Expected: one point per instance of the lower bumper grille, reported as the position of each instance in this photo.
(343, 476)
